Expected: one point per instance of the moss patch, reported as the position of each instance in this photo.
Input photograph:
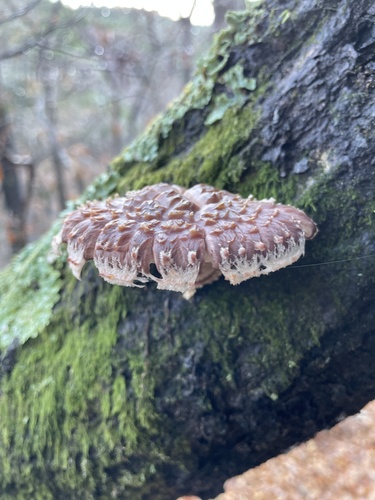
(211, 160)
(88, 415)
(113, 390)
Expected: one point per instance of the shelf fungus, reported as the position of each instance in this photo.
(183, 238)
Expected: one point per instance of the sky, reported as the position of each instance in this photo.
(203, 14)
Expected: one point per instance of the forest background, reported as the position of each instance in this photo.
(76, 87)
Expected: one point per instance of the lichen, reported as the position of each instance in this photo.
(201, 91)
(80, 402)
(236, 89)
(82, 398)
(70, 371)
(30, 288)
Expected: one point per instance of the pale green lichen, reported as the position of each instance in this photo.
(80, 400)
(199, 92)
(235, 84)
(71, 374)
(204, 162)
(29, 288)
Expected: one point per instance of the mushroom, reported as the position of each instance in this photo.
(183, 238)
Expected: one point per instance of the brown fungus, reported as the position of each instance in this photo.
(184, 238)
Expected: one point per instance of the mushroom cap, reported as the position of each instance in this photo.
(183, 238)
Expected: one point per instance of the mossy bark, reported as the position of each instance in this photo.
(137, 393)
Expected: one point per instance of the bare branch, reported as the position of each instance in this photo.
(192, 9)
(20, 12)
(39, 38)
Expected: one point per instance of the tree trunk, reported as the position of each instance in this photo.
(187, 42)
(59, 157)
(11, 187)
(138, 393)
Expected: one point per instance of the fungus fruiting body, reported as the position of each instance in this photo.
(184, 238)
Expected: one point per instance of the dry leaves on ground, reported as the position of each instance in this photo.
(337, 464)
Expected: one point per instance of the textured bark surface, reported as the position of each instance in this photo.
(115, 392)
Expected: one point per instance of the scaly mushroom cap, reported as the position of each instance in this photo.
(184, 239)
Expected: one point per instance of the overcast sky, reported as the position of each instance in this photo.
(203, 12)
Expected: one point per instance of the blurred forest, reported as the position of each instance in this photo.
(76, 86)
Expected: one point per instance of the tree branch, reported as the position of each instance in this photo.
(20, 12)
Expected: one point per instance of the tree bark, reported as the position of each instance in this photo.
(15, 201)
(138, 393)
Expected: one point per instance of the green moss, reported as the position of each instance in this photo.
(87, 405)
(211, 159)
(350, 211)
(79, 408)
(263, 180)
(83, 401)
(81, 398)
(260, 312)
(159, 141)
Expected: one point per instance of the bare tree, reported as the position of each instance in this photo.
(16, 200)
(49, 107)
(30, 34)
(77, 85)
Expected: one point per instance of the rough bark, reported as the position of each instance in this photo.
(115, 392)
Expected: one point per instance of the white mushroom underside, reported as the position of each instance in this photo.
(184, 279)
(183, 239)
(116, 274)
(172, 277)
(76, 258)
(242, 269)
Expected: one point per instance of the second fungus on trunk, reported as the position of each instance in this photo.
(184, 238)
